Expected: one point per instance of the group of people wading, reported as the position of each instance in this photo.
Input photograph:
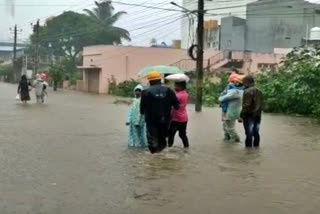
(158, 113)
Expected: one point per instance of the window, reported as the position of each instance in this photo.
(271, 66)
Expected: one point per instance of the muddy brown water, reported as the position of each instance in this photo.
(70, 156)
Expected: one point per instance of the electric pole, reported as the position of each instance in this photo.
(200, 29)
(15, 32)
(15, 63)
(199, 46)
(36, 30)
(35, 57)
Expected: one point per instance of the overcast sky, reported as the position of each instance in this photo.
(142, 23)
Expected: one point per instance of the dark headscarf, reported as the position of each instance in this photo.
(24, 78)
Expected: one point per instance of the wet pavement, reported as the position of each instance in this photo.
(70, 156)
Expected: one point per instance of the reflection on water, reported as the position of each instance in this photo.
(157, 166)
(78, 143)
(227, 178)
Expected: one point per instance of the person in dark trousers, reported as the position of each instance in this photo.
(252, 107)
(156, 104)
(179, 119)
(23, 89)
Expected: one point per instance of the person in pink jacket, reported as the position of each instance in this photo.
(179, 119)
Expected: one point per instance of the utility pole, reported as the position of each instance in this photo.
(36, 30)
(37, 46)
(15, 32)
(15, 75)
(200, 29)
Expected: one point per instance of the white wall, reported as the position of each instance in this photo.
(217, 9)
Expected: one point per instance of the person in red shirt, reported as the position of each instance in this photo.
(179, 119)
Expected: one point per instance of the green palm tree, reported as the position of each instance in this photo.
(104, 18)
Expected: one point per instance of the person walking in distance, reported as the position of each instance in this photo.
(252, 107)
(179, 119)
(156, 104)
(23, 89)
(40, 87)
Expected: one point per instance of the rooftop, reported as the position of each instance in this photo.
(10, 48)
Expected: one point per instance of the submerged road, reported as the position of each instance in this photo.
(70, 156)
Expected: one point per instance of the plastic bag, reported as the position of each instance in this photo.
(18, 97)
(178, 78)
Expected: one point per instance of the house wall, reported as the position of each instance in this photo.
(124, 62)
(260, 58)
(279, 24)
(252, 60)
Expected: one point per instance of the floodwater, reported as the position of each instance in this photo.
(70, 156)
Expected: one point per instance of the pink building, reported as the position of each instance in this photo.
(255, 62)
(103, 63)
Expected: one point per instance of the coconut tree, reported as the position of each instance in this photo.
(104, 17)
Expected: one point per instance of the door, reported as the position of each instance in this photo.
(93, 81)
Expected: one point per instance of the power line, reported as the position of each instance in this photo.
(149, 7)
(126, 52)
(167, 33)
(145, 12)
(80, 31)
(166, 30)
(95, 29)
(72, 5)
(76, 33)
(142, 19)
(41, 5)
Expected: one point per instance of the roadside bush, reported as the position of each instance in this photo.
(211, 90)
(56, 73)
(294, 88)
(74, 77)
(6, 72)
(124, 89)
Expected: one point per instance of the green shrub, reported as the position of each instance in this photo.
(74, 77)
(124, 89)
(294, 88)
(211, 90)
(6, 71)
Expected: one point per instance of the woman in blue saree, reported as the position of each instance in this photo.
(136, 122)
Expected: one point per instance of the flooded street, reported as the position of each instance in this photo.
(70, 156)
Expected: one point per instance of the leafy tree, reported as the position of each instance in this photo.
(67, 34)
(103, 17)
